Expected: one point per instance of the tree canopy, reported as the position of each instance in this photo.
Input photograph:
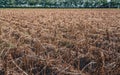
(60, 3)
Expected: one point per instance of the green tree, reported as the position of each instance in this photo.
(20, 2)
(32, 2)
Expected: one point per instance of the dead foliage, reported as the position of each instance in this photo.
(59, 42)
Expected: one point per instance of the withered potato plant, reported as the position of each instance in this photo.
(59, 42)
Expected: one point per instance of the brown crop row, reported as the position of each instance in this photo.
(59, 42)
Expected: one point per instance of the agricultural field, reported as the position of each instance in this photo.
(59, 42)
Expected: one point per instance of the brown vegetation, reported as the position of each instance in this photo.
(59, 42)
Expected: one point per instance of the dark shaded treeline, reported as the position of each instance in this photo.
(61, 3)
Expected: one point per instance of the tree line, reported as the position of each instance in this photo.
(61, 3)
